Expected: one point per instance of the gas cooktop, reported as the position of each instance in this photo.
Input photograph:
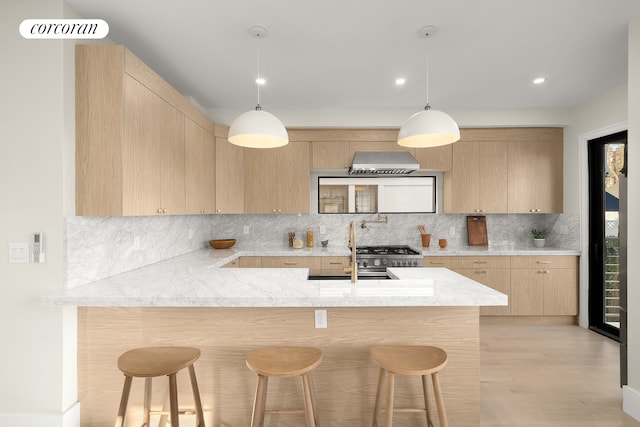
(386, 250)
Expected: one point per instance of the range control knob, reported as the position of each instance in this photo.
(365, 264)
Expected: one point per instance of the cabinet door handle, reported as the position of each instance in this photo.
(480, 272)
(543, 271)
(436, 263)
(335, 262)
(290, 263)
(543, 262)
(479, 262)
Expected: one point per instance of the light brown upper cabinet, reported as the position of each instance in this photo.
(130, 136)
(477, 181)
(535, 171)
(153, 162)
(331, 155)
(200, 159)
(229, 177)
(436, 158)
(505, 170)
(277, 180)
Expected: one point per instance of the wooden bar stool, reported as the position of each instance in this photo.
(408, 360)
(149, 362)
(284, 362)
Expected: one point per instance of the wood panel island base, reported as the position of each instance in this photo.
(345, 381)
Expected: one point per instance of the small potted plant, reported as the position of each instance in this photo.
(539, 236)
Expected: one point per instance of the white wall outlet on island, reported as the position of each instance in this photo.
(321, 318)
(246, 229)
(136, 243)
(323, 229)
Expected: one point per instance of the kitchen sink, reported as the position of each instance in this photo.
(378, 275)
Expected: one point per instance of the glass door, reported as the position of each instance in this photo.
(606, 162)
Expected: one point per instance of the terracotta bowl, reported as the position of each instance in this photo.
(222, 243)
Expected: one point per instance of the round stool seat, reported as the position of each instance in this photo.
(409, 360)
(157, 361)
(283, 361)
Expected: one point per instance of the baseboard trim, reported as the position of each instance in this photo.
(68, 418)
(631, 402)
(528, 320)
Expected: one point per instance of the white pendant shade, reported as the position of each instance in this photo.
(428, 128)
(258, 129)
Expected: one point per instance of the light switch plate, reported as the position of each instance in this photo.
(19, 253)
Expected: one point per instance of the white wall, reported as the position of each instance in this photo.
(603, 111)
(632, 392)
(38, 343)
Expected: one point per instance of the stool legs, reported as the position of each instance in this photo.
(122, 410)
(196, 397)
(260, 400)
(389, 377)
(173, 400)
(257, 417)
(390, 395)
(442, 415)
(310, 412)
(425, 393)
(377, 407)
(146, 418)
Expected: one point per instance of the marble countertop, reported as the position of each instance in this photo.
(196, 280)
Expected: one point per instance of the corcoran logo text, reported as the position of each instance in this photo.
(64, 29)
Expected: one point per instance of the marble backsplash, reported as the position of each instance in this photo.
(99, 247)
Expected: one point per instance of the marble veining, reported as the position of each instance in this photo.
(100, 247)
(194, 280)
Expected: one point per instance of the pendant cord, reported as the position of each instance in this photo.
(258, 77)
(427, 107)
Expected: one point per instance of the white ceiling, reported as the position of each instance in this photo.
(347, 53)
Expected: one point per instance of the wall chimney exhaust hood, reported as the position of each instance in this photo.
(383, 163)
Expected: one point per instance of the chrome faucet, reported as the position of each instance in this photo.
(354, 263)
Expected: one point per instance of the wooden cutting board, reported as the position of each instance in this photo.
(477, 231)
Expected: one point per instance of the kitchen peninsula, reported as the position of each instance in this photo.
(190, 300)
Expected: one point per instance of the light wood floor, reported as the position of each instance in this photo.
(549, 376)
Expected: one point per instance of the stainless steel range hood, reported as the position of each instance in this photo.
(383, 163)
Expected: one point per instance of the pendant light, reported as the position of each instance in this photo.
(258, 128)
(428, 128)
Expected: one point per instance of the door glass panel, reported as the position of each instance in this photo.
(614, 162)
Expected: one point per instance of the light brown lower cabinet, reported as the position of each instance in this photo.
(535, 285)
(544, 285)
(491, 271)
(313, 263)
(436, 261)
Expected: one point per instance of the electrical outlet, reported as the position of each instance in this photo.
(136, 243)
(452, 231)
(246, 229)
(323, 229)
(191, 233)
(321, 318)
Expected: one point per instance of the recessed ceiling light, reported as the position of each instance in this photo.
(260, 81)
(400, 81)
(539, 80)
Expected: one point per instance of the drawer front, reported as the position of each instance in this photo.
(480, 262)
(335, 262)
(436, 261)
(538, 261)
